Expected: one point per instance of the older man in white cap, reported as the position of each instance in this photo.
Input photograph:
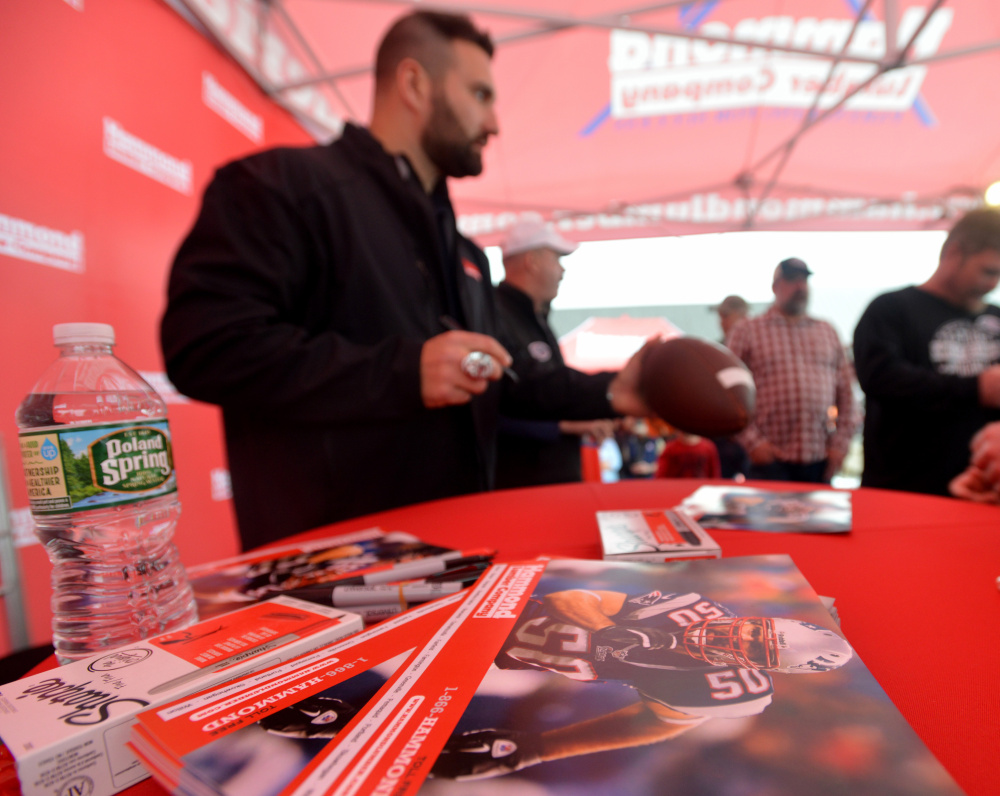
(536, 452)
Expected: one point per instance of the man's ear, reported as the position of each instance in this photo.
(414, 86)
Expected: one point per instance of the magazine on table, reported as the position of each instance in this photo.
(222, 586)
(752, 509)
(570, 676)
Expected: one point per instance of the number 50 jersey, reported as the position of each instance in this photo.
(668, 676)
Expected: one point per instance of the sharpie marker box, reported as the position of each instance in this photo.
(64, 730)
(653, 535)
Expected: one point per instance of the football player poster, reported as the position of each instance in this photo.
(722, 676)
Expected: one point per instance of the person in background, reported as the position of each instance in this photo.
(688, 456)
(980, 481)
(801, 371)
(731, 310)
(533, 452)
(927, 359)
(326, 300)
(733, 459)
(640, 441)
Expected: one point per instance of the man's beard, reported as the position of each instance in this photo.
(446, 145)
(796, 305)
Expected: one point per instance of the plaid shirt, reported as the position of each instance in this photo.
(800, 370)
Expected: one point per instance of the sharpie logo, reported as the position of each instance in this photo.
(86, 705)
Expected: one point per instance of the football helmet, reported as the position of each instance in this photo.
(313, 717)
(479, 754)
(777, 645)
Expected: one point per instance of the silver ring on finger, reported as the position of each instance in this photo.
(477, 365)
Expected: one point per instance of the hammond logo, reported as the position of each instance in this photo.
(119, 659)
(231, 109)
(136, 154)
(38, 244)
(135, 459)
(78, 786)
(662, 75)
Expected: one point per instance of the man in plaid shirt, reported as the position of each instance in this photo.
(801, 371)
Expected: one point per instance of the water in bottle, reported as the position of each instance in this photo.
(95, 446)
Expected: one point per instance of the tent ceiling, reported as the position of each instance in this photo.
(626, 119)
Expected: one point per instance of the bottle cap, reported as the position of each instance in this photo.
(63, 333)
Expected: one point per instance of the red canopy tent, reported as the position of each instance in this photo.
(624, 120)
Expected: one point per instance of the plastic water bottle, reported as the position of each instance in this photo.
(97, 459)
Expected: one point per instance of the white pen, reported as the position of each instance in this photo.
(385, 594)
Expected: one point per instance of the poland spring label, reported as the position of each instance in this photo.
(86, 467)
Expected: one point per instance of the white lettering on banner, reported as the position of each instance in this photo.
(709, 209)
(660, 75)
(266, 56)
(38, 244)
(231, 109)
(132, 151)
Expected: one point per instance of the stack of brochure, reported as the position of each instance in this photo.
(653, 535)
(562, 676)
(64, 730)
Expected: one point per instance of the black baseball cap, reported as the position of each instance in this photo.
(792, 268)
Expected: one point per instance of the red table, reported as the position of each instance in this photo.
(915, 584)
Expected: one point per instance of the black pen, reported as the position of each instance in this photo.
(452, 325)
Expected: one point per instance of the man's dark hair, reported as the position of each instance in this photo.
(420, 35)
(977, 231)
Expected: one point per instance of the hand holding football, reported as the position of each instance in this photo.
(697, 386)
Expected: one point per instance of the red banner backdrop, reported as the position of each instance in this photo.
(115, 116)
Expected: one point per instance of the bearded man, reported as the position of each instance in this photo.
(327, 302)
(805, 414)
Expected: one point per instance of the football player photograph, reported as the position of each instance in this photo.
(688, 659)
(690, 677)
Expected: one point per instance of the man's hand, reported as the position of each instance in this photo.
(972, 485)
(986, 453)
(442, 380)
(834, 461)
(763, 453)
(989, 386)
(597, 430)
(625, 396)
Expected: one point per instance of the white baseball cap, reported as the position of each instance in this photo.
(529, 232)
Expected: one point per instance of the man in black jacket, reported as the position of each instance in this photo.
(311, 298)
(535, 452)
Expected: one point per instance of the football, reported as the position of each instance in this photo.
(697, 386)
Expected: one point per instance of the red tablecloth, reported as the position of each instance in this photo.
(915, 584)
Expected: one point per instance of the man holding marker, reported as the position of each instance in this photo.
(307, 301)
